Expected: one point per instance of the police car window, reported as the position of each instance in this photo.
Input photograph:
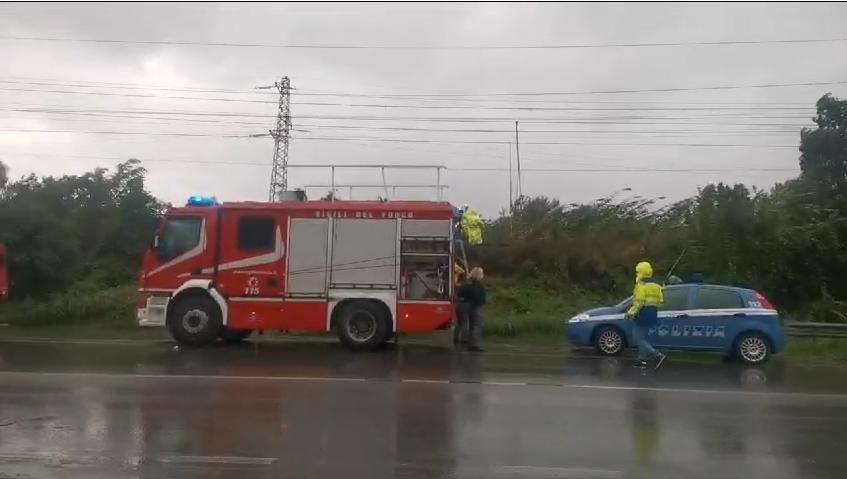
(718, 298)
(676, 299)
(180, 235)
(256, 233)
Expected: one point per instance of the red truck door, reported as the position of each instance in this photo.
(184, 251)
(252, 250)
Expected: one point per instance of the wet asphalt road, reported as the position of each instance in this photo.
(293, 410)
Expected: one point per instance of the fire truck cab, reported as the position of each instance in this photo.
(4, 276)
(367, 270)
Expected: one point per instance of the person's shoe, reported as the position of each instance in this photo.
(475, 349)
(640, 364)
(660, 358)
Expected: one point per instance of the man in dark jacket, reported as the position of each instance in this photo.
(461, 328)
(473, 293)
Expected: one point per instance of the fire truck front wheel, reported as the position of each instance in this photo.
(195, 320)
(362, 325)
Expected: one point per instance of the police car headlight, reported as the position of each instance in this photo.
(579, 318)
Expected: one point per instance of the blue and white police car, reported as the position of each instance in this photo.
(695, 317)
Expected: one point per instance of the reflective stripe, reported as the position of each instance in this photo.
(701, 313)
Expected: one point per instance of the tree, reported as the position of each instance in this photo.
(823, 161)
(89, 227)
(4, 174)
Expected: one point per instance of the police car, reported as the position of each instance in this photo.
(695, 317)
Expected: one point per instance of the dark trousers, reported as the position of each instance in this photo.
(475, 328)
(461, 329)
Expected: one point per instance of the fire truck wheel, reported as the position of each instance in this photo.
(362, 325)
(195, 321)
(234, 336)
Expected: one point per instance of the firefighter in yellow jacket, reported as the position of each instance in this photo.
(647, 298)
(472, 226)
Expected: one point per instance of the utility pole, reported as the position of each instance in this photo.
(279, 170)
(511, 200)
(518, 154)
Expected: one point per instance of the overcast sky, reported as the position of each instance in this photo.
(128, 88)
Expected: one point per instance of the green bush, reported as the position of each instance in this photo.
(539, 307)
(84, 303)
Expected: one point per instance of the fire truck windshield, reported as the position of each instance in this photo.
(179, 236)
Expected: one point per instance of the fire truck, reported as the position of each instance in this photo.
(367, 270)
(4, 276)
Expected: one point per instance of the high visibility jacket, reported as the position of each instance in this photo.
(646, 294)
(472, 225)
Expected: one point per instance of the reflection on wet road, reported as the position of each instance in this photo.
(314, 410)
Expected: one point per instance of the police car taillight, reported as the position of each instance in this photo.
(764, 301)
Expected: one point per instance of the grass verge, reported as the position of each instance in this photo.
(84, 305)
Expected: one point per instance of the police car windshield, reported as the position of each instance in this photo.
(626, 302)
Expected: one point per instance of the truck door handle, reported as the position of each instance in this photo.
(740, 314)
(683, 315)
(273, 283)
(196, 272)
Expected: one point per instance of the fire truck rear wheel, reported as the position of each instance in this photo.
(362, 325)
(195, 321)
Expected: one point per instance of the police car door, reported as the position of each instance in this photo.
(672, 316)
(717, 309)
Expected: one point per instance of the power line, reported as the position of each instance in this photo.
(397, 140)
(465, 119)
(492, 142)
(500, 169)
(409, 97)
(592, 92)
(419, 107)
(137, 95)
(140, 86)
(77, 84)
(351, 46)
(452, 95)
(139, 133)
(307, 127)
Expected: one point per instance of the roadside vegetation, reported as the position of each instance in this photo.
(75, 244)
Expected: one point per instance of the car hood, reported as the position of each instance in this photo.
(602, 311)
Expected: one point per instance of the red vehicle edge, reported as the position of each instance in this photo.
(367, 270)
(4, 275)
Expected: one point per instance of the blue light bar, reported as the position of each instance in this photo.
(201, 201)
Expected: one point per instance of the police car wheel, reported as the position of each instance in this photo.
(752, 348)
(194, 321)
(362, 325)
(609, 341)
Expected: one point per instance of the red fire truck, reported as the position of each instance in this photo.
(367, 270)
(4, 277)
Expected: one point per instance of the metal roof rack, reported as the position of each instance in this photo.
(439, 188)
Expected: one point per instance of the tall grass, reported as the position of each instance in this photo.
(526, 307)
(85, 303)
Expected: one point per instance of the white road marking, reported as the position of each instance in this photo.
(241, 460)
(220, 377)
(93, 458)
(425, 381)
(98, 342)
(559, 472)
(503, 383)
(182, 376)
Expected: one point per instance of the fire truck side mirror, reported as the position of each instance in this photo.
(156, 242)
